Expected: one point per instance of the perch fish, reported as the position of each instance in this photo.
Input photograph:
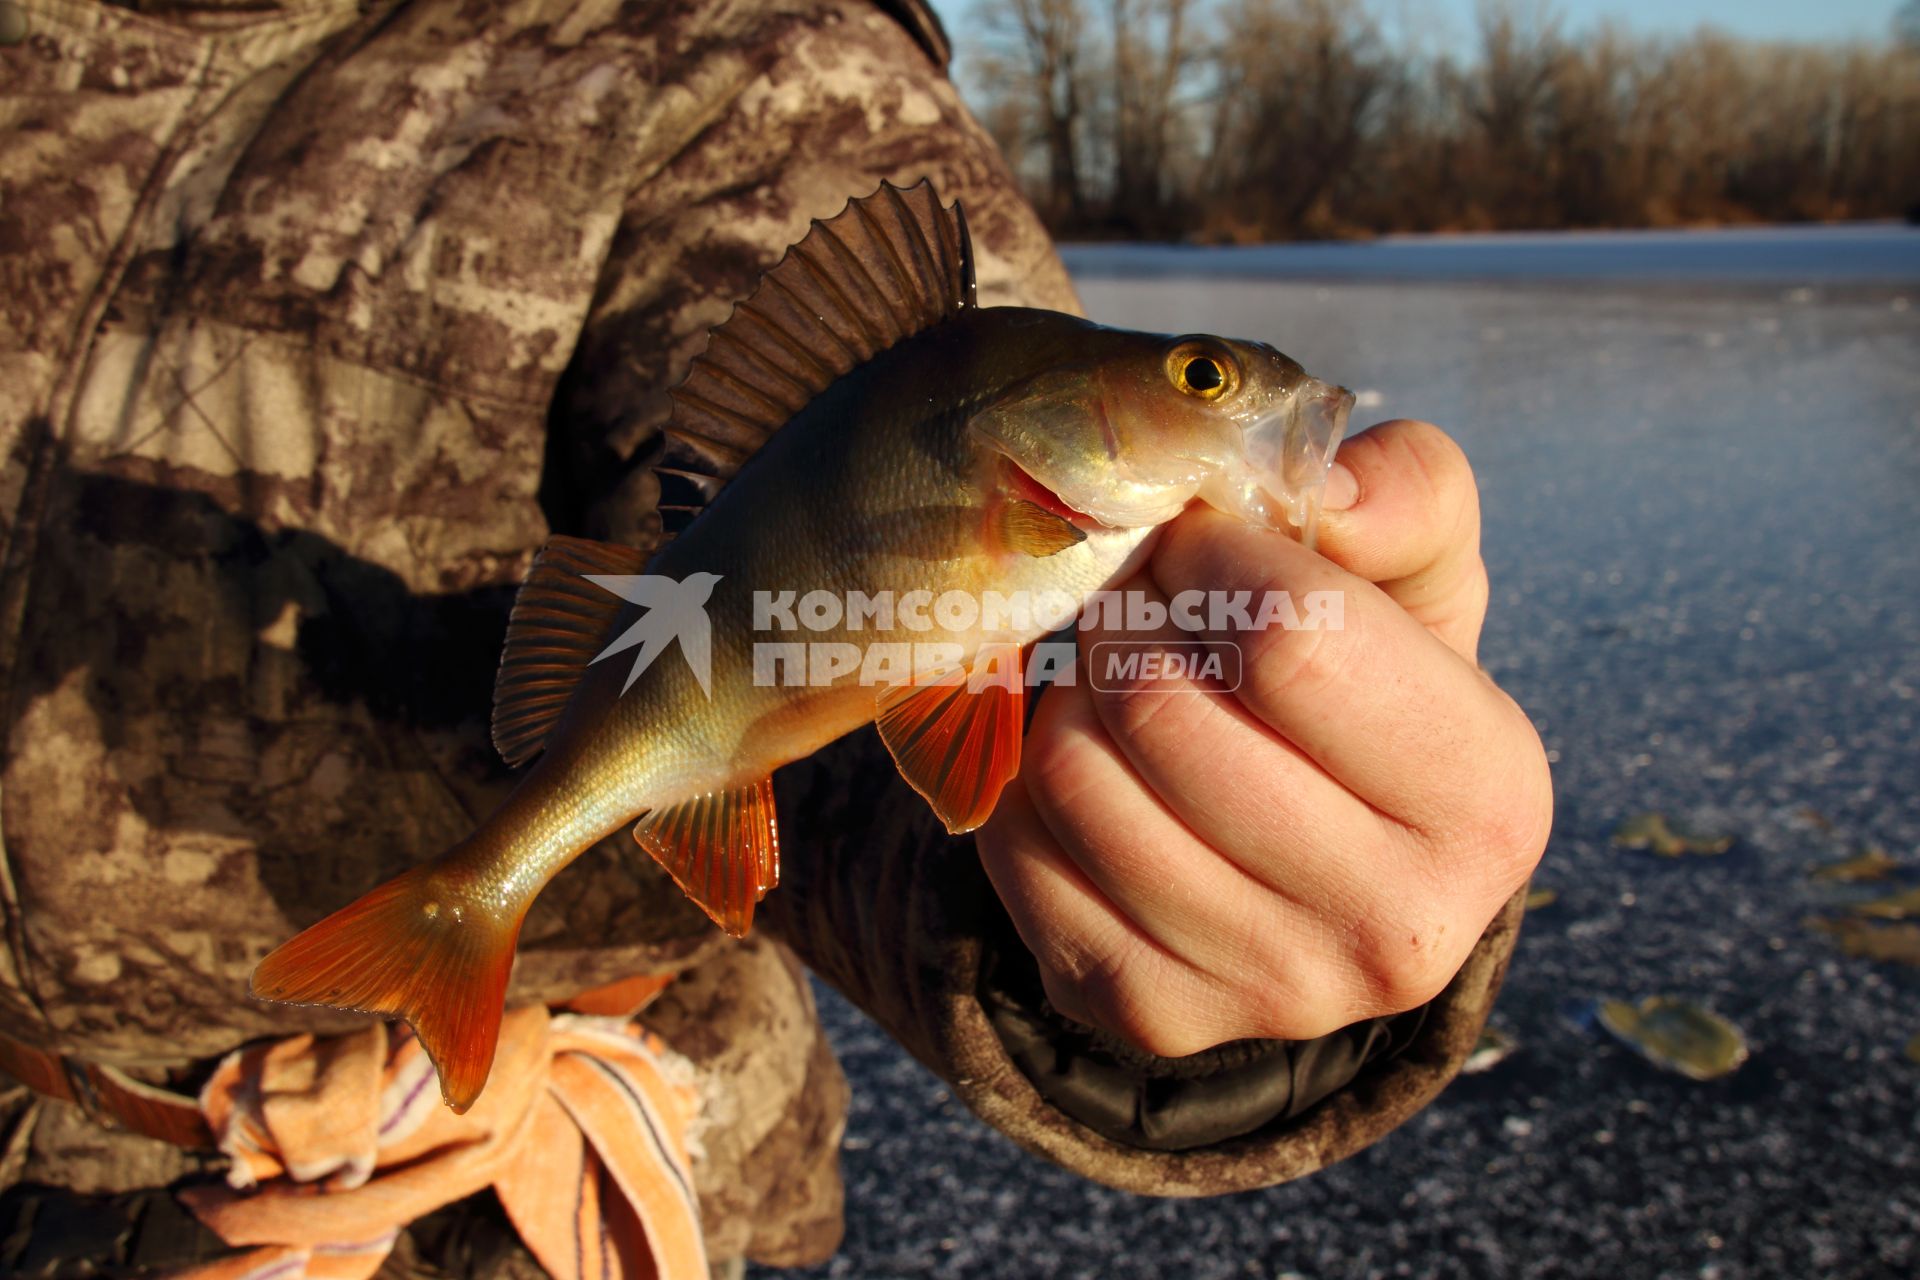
(858, 425)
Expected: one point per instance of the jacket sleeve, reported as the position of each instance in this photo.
(901, 919)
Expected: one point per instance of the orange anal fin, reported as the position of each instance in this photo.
(957, 740)
(722, 848)
(415, 951)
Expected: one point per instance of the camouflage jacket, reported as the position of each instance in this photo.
(316, 318)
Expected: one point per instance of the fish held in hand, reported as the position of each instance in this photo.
(860, 427)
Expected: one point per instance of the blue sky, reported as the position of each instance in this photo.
(1758, 19)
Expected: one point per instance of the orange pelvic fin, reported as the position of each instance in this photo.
(722, 848)
(957, 739)
(413, 950)
(560, 622)
(1031, 529)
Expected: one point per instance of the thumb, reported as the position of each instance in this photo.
(1406, 515)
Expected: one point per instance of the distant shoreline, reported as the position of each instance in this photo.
(1883, 252)
(1521, 233)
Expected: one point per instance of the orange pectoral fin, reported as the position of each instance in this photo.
(957, 740)
(413, 950)
(722, 848)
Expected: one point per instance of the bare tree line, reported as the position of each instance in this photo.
(1262, 119)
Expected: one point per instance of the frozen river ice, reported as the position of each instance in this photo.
(1700, 469)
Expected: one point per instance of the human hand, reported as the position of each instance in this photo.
(1324, 844)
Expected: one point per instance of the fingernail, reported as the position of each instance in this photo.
(1343, 488)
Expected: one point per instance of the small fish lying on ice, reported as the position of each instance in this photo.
(860, 424)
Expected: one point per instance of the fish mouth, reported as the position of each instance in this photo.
(1291, 449)
(1276, 482)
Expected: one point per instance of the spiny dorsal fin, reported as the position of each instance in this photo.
(956, 739)
(560, 622)
(722, 848)
(883, 269)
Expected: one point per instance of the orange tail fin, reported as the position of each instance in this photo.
(414, 950)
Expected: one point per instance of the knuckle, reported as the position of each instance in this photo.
(1515, 838)
(1462, 612)
(1061, 992)
(1157, 1036)
(1440, 460)
(1062, 768)
(1139, 709)
(1070, 962)
(1067, 951)
(1510, 831)
(1452, 494)
(1286, 664)
(1125, 993)
(1053, 762)
(1491, 835)
(1284, 1010)
(1284, 993)
(1476, 591)
(1402, 960)
(1132, 1011)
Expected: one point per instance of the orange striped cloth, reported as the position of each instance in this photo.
(338, 1142)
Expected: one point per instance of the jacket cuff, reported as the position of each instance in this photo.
(900, 917)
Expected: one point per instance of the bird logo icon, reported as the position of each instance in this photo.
(675, 610)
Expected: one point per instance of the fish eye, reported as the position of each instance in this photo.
(1202, 371)
(1203, 375)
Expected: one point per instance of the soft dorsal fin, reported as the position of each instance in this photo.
(956, 739)
(883, 269)
(721, 848)
(560, 622)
